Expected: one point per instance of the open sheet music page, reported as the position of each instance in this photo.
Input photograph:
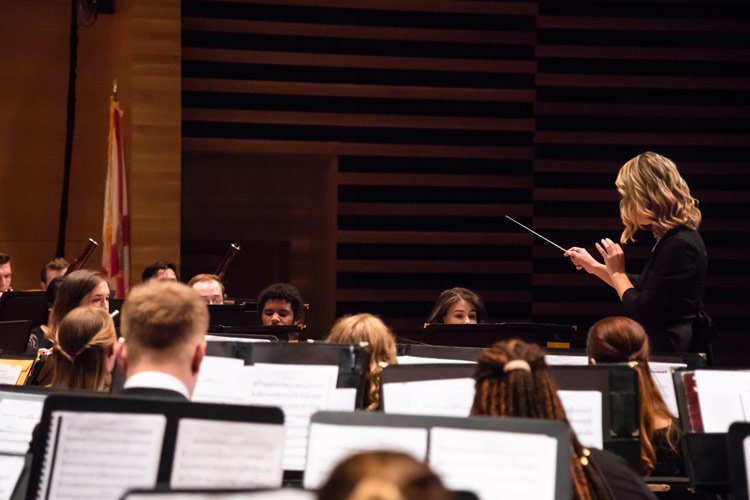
(451, 397)
(300, 391)
(10, 470)
(223, 454)
(17, 420)
(566, 360)
(9, 373)
(342, 399)
(100, 455)
(280, 494)
(662, 375)
(330, 444)
(417, 360)
(495, 464)
(223, 380)
(584, 412)
(719, 397)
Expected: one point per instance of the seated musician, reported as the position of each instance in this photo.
(381, 475)
(618, 339)
(280, 304)
(458, 306)
(40, 334)
(209, 286)
(160, 270)
(83, 357)
(163, 328)
(512, 380)
(6, 273)
(51, 270)
(381, 345)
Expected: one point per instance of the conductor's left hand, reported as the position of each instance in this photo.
(614, 257)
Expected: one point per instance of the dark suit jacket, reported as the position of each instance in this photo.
(668, 293)
(153, 393)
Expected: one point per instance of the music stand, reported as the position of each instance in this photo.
(486, 334)
(20, 305)
(14, 335)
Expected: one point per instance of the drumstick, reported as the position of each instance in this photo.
(534, 232)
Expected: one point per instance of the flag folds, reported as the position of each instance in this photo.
(116, 227)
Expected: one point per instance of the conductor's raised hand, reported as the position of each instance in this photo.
(582, 259)
(614, 257)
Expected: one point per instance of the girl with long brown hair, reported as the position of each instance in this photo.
(619, 339)
(83, 357)
(380, 344)
(513, 380)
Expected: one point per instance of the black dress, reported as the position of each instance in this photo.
(668, 294)
(625, 483)
(669, 462)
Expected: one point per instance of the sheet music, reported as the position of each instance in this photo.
(342, 399)
(444, 397)
(216, 453)
(243, 340)
(330, 444)
(417, 360)
(719, 397)
(17, 420)
(300, 391)
(281, 494)
(10, 470)
(100, 455)
(9, 373)
(566, 360)
(495, 464)
(223, 380)
(662, 375)
(745, 399)
(584, 412)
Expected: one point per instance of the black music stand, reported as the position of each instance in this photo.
(486, 334)
(233, 315)
(20, 305)
(14, 335)
(739, 465)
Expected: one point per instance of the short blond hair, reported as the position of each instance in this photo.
(650, 186)
(202, 278)
(381, 346)
(161, 318)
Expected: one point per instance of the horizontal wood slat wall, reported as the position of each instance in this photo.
(446, 115)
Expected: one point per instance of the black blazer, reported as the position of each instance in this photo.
(153, 393)
(668, 293)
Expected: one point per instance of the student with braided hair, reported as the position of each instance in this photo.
(512, 380)
(83, 357)
(381, 345)
(619, 339)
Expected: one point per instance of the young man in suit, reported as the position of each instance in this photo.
(163, 343)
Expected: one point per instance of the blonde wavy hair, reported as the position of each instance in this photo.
(381, 345)
(85, 340)
(651, 187)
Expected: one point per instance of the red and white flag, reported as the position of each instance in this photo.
(116, 227)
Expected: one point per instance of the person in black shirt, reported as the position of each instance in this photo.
(667, 297)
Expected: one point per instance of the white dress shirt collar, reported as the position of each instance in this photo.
(156, 380)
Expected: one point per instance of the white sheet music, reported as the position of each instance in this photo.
(330, 444)
(495, 464)
(417, 360)
(223, 380)
(17, 420)
(215, 453)
(745, 399)
(10, 470)
(100, 455)
(281, 494)
(300, 390)
(9, 373)
(566, 360)
(244, 340)
(342, 399)
(584, 412)
(662, 375)
(719, 397)
(445, 397)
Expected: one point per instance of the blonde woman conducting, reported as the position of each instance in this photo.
(667, 296)
(83, 357)
(381, 345)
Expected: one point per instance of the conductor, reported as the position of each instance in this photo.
(667, 296)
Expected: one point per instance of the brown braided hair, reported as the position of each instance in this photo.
(531, 394)
(618, 339)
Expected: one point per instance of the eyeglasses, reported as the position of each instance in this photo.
(214, 301)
